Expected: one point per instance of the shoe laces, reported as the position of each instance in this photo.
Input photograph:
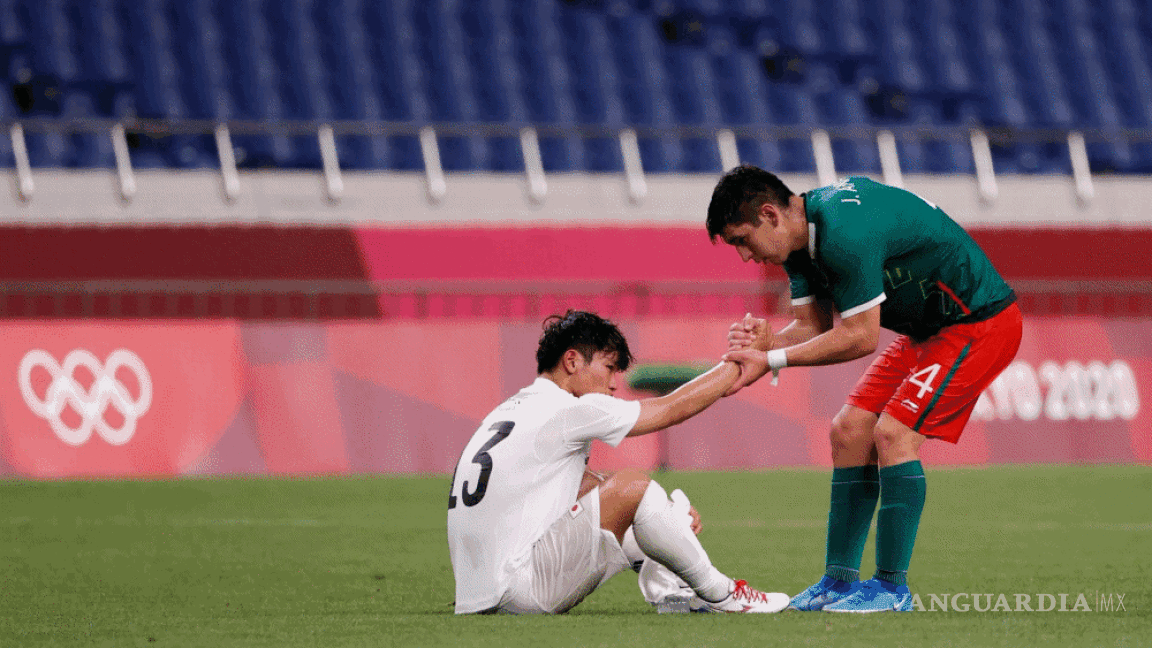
(749, 593)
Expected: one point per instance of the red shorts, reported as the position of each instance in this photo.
(932, 386)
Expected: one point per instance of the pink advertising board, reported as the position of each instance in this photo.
(169, 397)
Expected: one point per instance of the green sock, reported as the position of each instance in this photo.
(854, 494)
(902, 490)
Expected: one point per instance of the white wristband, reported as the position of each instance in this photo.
(777, 360)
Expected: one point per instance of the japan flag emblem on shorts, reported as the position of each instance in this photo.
(576, 510)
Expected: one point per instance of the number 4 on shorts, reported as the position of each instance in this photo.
(925, 385)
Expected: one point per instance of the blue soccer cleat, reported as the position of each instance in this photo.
(828, 590)
(874, 595)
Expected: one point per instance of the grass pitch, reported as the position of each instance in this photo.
(364, 562)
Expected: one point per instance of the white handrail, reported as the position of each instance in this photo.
(633, 166)
(822, 152)
(433, 171)
(533, 165)
(889, 159)
(227, 155)
(1081, 171)
(333, 181)
(24, 185)
(985, 172)
(124, 171)
(729, 152)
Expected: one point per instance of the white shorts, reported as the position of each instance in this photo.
(571, 559)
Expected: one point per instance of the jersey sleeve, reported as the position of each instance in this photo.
(599, 416)
(857, 283)
(798, 286)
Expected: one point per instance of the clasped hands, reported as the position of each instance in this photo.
(748, 343)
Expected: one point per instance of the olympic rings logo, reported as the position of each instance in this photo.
(91, 404)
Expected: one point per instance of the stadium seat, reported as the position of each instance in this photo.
(100, 47)
(599, 64)
(50, 38)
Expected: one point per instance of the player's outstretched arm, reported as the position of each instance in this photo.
(752, 333)
(809, 320)
(855, 337)
(688, 400)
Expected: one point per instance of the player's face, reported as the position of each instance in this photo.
(759, 242)
(599, 376)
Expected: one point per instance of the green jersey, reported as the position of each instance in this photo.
(870, 244)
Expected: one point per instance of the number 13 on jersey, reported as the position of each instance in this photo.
(501, 429)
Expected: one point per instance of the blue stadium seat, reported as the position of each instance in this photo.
(855, 155)
(86, 150)
(841, 106)
(912, 154)
(604, 64)
(49, 35)
(636, 94)
(559, 154)
(804, 32)
(740, 90)
(796, 156)
(246, 81)
(100, 47)
(700, 155)
(688, 91)
(47, 148)
(764, 153)
(850, 36)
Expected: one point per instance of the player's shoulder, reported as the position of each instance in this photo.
(844, 216)
(845, 192)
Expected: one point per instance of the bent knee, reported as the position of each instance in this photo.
(890, 433)
(850, 429)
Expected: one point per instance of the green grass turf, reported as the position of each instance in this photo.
(364, 562)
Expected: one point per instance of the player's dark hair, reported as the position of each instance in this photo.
(739, 195)
(587, 333)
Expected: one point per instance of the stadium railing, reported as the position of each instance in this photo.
(98, 297)
(980, 141)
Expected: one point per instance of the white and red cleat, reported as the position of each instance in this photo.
(749, 600)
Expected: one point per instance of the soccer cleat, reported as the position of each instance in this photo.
(683, 601)
(874, 595)
(748, 600)
(828, 590)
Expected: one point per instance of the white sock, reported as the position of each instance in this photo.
(666, 536)
(632, 550)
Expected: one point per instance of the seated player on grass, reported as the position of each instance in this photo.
(532, 531)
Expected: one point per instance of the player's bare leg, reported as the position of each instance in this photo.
(620, 495)
(665, 534)
(855, 490)
(902, 492)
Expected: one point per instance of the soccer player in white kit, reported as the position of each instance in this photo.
(532, 531)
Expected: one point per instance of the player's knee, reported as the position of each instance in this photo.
(849, 431)
(891, 436)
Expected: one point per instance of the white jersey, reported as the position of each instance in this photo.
(520, 472)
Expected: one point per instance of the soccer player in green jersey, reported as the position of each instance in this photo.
(880, 257)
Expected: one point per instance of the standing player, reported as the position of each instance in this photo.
(531, 531)
(883, 257)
